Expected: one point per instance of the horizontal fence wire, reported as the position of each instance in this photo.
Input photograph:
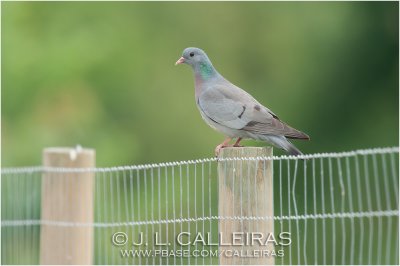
(219, 217)
(339, 208)
(31, 169)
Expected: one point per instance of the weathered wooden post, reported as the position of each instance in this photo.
(67, 197)
(245, 190)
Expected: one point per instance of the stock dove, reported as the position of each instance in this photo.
(232, 111)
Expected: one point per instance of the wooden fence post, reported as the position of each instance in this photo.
(245, 189)
(67, 197)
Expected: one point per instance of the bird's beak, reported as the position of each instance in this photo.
(180, 61)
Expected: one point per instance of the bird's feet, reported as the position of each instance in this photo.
(226, 144)
(237, 143)
(221, 146)
(238, 146)
(218, 149)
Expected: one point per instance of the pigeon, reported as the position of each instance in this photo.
(234, 112)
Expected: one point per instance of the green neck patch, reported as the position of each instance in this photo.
(206, 70)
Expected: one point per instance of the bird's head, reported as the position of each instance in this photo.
(193, 57)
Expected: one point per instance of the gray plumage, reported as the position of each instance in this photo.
(232, 111)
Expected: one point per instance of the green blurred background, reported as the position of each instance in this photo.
(102, 75)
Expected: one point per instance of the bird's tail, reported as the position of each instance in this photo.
(281, 142)
(292, 150)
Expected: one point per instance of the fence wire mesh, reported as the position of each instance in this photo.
(339, 208)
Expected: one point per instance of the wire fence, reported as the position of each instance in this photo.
(338, 208)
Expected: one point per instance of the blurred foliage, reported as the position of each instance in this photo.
(102, 74)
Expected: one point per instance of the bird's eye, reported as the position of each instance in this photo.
(191, 54)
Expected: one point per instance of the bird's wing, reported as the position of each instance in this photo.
(232, 107)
